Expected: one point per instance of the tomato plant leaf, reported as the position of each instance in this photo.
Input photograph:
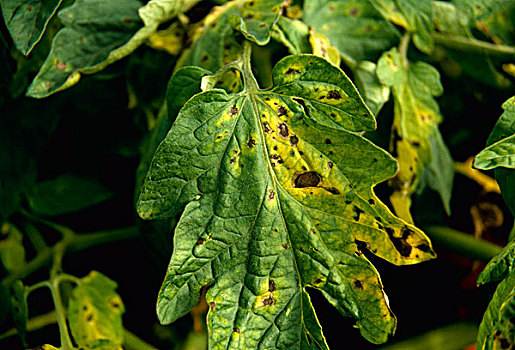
(27, 20)
(355, 27)
(271, 181)
(500, 266)
(499, 154)
(92, 29)
(256, 18)
(374, 93)
(293, 34)
(414, 15)
(497, 327)
(66, 194)
(417, 142)
(12, 252)
(95, 313)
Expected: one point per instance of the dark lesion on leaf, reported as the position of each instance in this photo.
(358, 211)
(212, 305)
(292, 71)
(269, 300)
(333, 94)
(236, 330)
(271, 195)
(251, 142)
(401, 243)
(307, 179)
(200, 241)
(271, 286)
(283, 129)
(332, 190)
(233, 110)
(357, 284)
(294, 140)
(267, 128)
(281, 110)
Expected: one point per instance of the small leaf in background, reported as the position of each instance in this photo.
(27, 20)
(414, 15)
(66, 194)
(416, 143)
(12, 252)
(374, 93)
(256, 19)
(170, 39)
(278, 197)
(293, 34)
(323, 48)
(355, 27)
(500, 266)
(505, 127)
(499, 154)
(19, 309)
(95, 313)
(92, 29)
(497, 328)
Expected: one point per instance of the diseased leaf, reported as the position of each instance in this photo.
(499, 154)
(12, 252)
(500, 266)
(66, 194)
(256, 18)
(92, 30)
(417, 143)
(95, 313)
(278, 197)
(293, 34)
(497, 328)
(27, 20)
(355, 27)
(323, 48)
(414, 15)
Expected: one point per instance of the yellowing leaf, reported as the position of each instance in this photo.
(95, 313)
(277, 191)
(323, 48)
(169, 39)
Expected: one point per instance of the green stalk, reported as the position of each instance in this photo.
(472, 45)
(462, 243)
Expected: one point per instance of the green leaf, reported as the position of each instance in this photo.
(12, 252)
(499, 154)
(504, 127)
(278, 197)
(183, 84)
(500, 266)
(66, 194)
(375, 94)
(95, 313)
(497, 328)
(19, 309)
(92, 30)
(355, 27)
(256, 18)
(293, 34)
(414, 15)
(417, 143)
(27, 20)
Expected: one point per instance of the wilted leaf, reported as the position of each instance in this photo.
(414, 15)
(12, 252)
(499, 154)
(66, 194)
(92, 29)
(500, 266)
(27, 20)
(417, 142)
(95, 313)
(278, 197)
(497, 328)
(355, 27)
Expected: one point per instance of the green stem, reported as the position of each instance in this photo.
(35, 237)
(248, 77)
(403, 48)
(132, 342)
(462, 243)
(472, 45)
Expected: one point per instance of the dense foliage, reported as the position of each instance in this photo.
(283, 153)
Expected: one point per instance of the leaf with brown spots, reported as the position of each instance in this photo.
(416, 142)
(286, 214)
(95, 313)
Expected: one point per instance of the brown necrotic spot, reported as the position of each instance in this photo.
(271, 195)
(236, 329)
(281, 111)
(307, 179)
(201, 241)
(285, 246)
(294, 140)
(283, 129)
(212, 305)
(333, 94)
(269, 300)
(233, 110)
(358, 212)
(400, 243)
(232, 160)
(60, 65)
(332, 190)
(251, 142)
(330, 165)
(292, 71)
(267, 128)
(271, 286)
(357, 284)
(274, 156)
